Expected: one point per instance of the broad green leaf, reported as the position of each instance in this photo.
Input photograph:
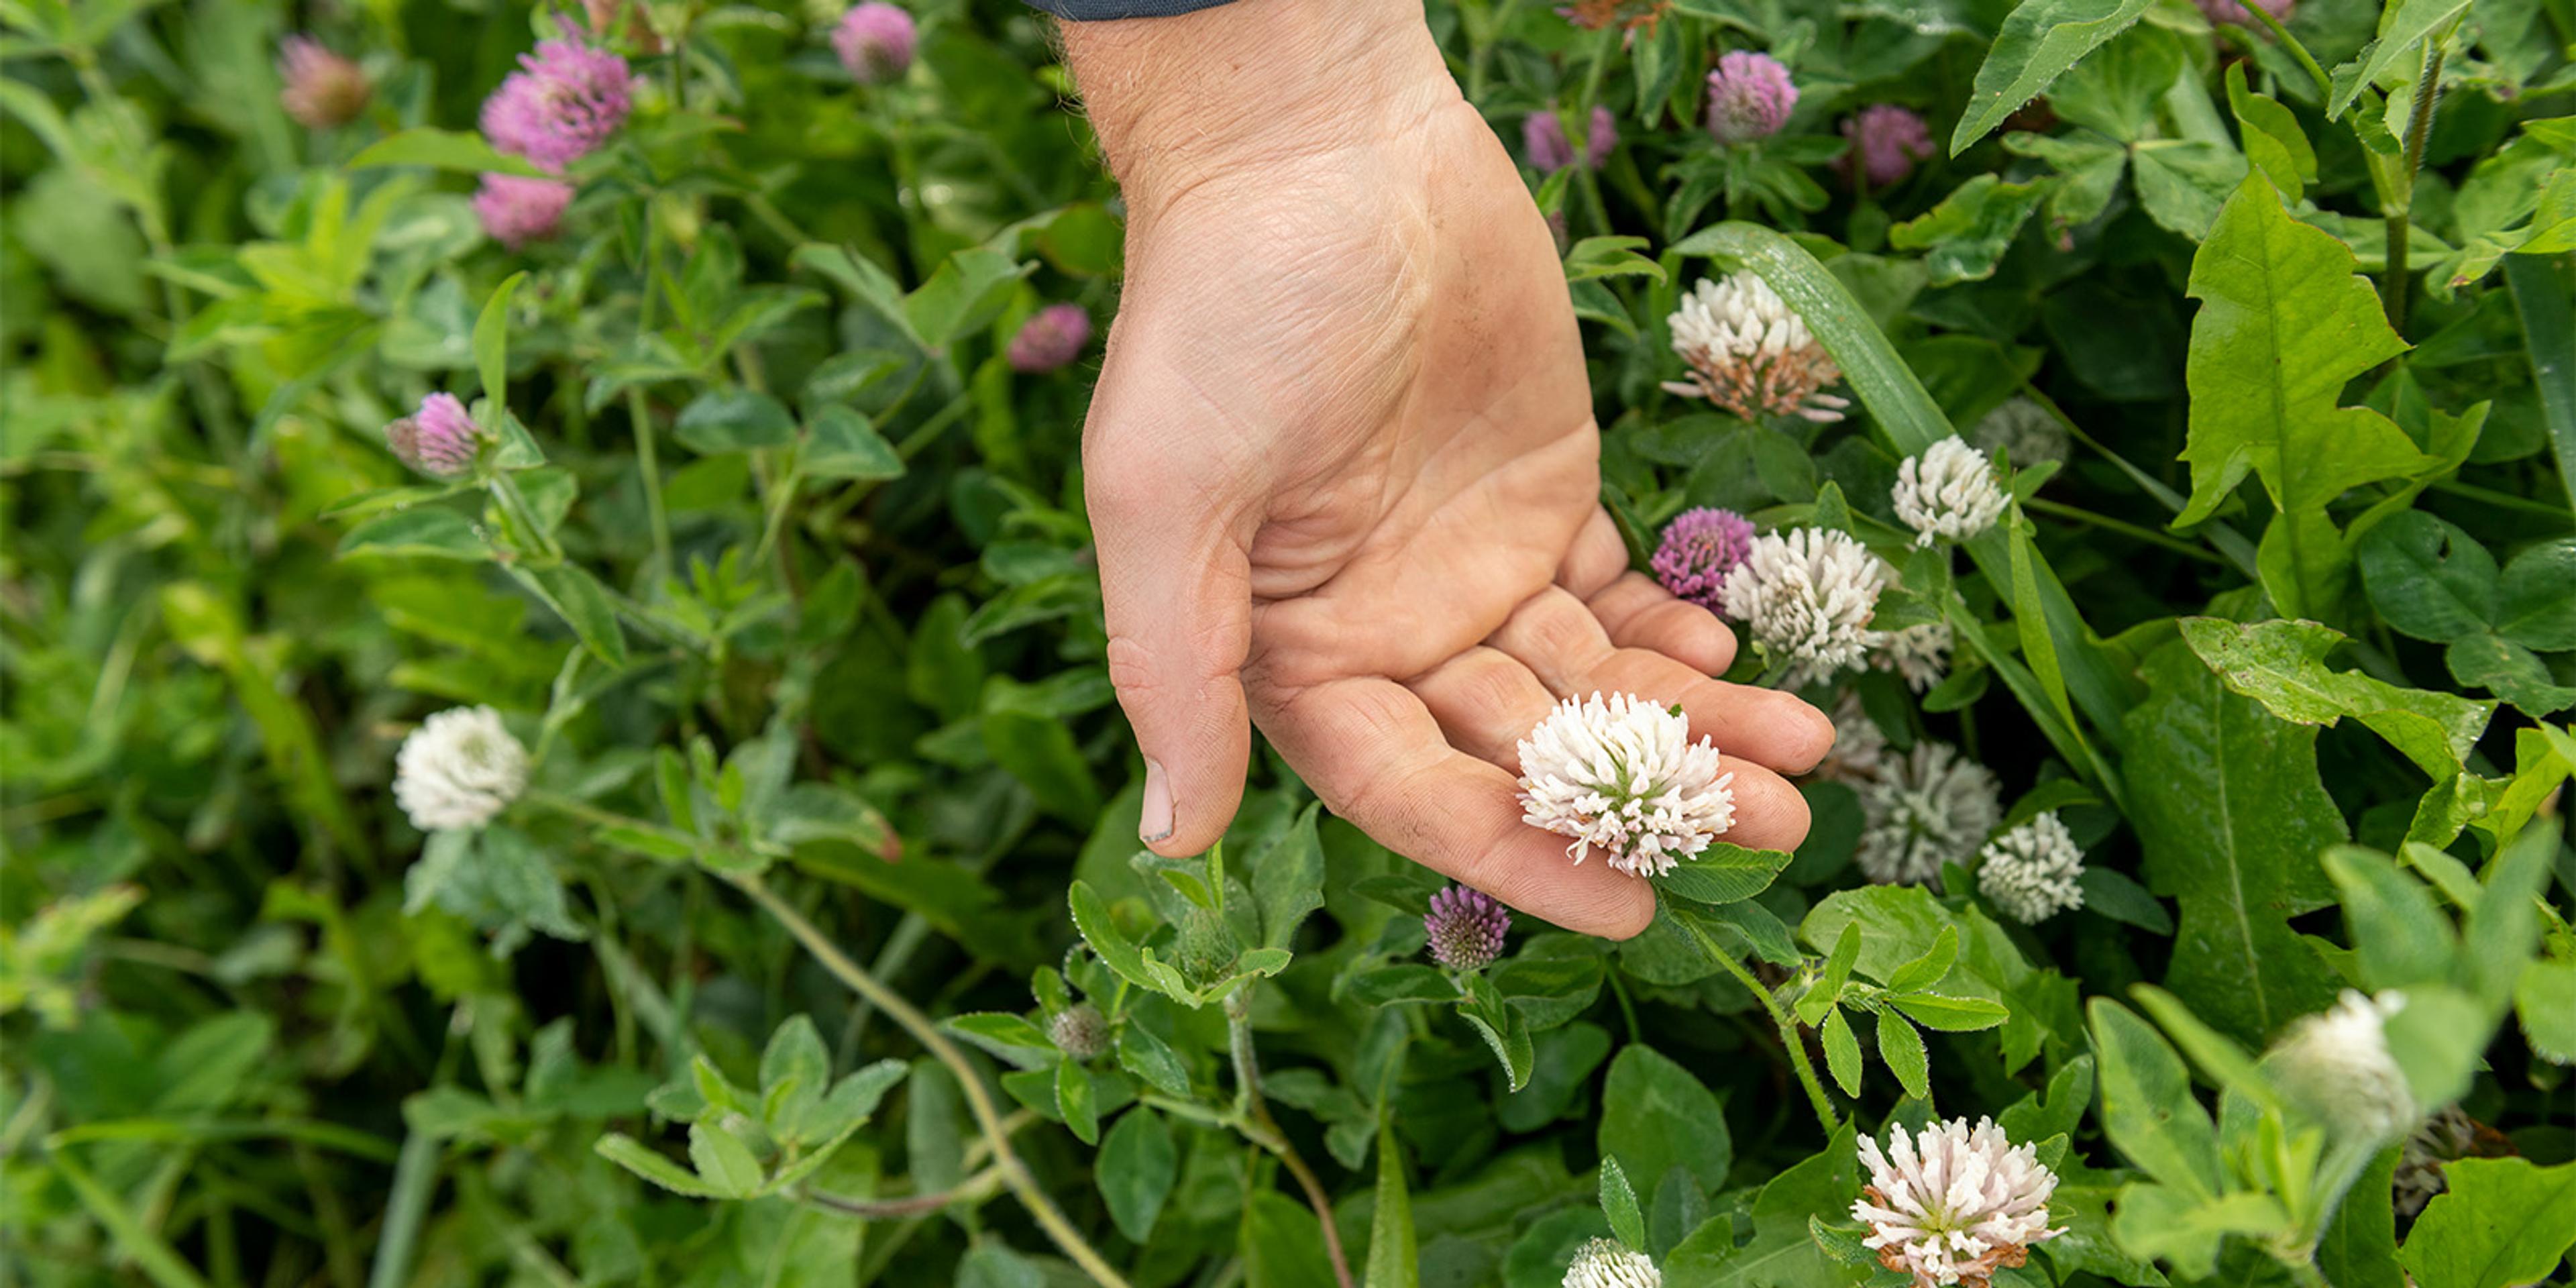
(2403, 27)
(2148, 1109)
(2543, 286)
(1502, 1027)
(1138, 1164)
(2359, 1247)
(1394, 1260)
(841, 444)
(1145, 1055)
(1782, 1250)
(492, 344)
(1619, 1204)
(433, 532)
(584, 605)
(1900, 1048)
(2502, 1221)
(2231, 817)
(1403, 982)
(1950, 1014)
(443, 150)
(966, 292)
(2284, 323)
(723, 1161)
(2160, 1222)
(2536, 601)
(2274, 143)
(795, 1056)
(2040, 39)
(734, 420)
(1899, 923)
(2281, 665)
(2400, 936)
(1656, 1114)
(2509, 671)
(1723, 873)
(1967, 234)
(1288, 879)
(2540, 1001)
(1118, 952)
(1828, 986)
(2428, 579)
(1610, 257)
(2218, 1055)
(2183, 183)
(1842, 1052)
(1924, 971)
(631, 1154)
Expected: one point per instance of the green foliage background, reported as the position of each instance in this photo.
(781, 573)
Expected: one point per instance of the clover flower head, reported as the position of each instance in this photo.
(1886, 141)
(875, 41)
(1807, 596)
(2336, 1065)
(322, 88)
(562, 104)
(1606, 1263)
(1543, 140)
(517, 210)
(1079, 1030)
(1749, 97)
(1750, 354)
(1620, 774)
(1052, 337)
(1948, 491)
(2030, 871)
(1920, 653)
(1952, 1204)
(1860, 749)
(1925, 808)
(439, 440)
(2221, 12)
(458, 770)
(1699, 548)
(1465, 928)
(2024, 431)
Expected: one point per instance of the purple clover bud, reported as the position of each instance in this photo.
(875, 41)
(1465, 928)
(1749, 97)
(439, 440)
(323, 89)
(516, 211)
(1700, 547)
(563, 103)
(1886, 141)
(1052, 337)
(1549, 150)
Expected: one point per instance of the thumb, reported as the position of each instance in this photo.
(1176, 587)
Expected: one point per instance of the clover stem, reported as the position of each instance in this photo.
(979, 1102)
(1252, 1118)
(1826, 1117)
(647, 454)
(2419, 124)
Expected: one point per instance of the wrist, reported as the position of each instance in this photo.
(1180, 100)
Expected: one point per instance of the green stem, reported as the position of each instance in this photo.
(2042, 505)
(647, 454)
(2325, 83)
(506, 490)
(1253, 1113)
(929, 429)
(2419, 124)
(2304, 1272)
(1790, 1038)
(979, 1102)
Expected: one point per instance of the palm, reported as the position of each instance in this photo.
(1367, 364)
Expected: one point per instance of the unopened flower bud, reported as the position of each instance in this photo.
(1080, 1031)
(1886, 141)
(323, 88)
(875, 41)
(1749, 97)
(1465, 928)
(439, 440)
(1052, 337)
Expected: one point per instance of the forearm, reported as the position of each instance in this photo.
(1180, 99)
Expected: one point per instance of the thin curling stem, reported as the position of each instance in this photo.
(1252, 1117)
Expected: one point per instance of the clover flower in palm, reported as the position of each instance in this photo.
(1619, 774)
(1928, 807)
(1952, 1204)
(1605, 1263)
(458, 770)
(1807, 596)
(1750, 354)
(2030, 871)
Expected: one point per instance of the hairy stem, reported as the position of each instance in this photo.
(1826, 1117)
(978, 1186)
(1252, 1113)
(2419, 124)
(979, 1102)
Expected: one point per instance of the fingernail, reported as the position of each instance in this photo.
(1155, 823)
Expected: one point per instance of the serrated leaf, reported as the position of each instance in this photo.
(1966, 236)
(2039, 40)
(2280, 664)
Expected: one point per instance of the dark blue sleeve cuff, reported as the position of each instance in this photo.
(1100, 10)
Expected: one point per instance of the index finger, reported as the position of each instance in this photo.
(1372, 752)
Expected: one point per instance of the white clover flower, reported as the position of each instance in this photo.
(2336, 1065)
(2030, 871)
(1604, 1263)
(1953, 1205)
(1621, 774)
(2024, 430)
(1928, 807)
(458, 769)
(1859, 747)
(1749, 354)
(1808, 596)
(1920, 653)
(1948, 491)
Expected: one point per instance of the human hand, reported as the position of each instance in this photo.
(1341, 465)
